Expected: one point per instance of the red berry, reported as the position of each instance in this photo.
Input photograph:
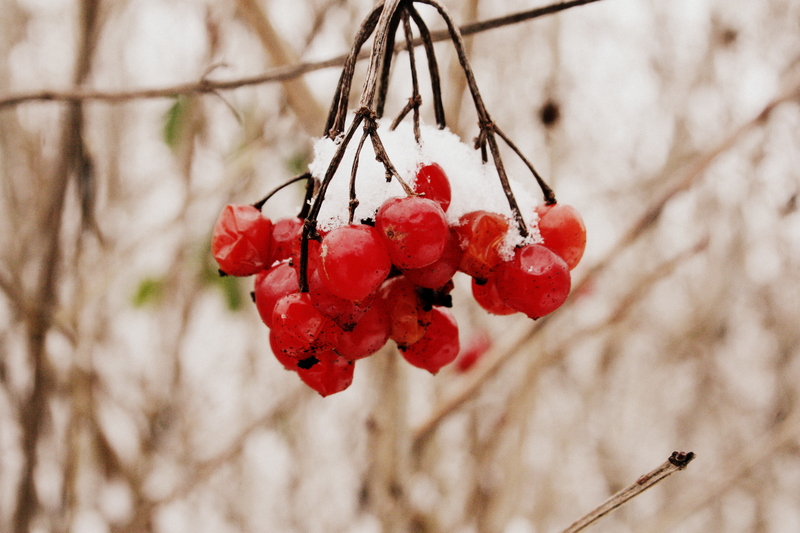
(407, 314)
(440, 271)
(478, 345)
(285, 232)
(241, 240)
(432, 183)
(536, 281)
(482, 234)
(486, 295)
(272, 285)
(331, 373)
(346, 313)
(415, 230)
(354, 261)
(369, 335)
(314, 249)
(438, 347)
(299, 329)
(563, 231)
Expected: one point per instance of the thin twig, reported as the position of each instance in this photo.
(677, 461)
(274, 75)
(259, 204)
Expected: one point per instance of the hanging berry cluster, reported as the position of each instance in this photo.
(335, 293)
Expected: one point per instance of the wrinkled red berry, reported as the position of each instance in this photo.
(241, 240)
(482, 234)
(431, 182)
(438, 347)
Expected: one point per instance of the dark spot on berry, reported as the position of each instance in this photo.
(307, 363)
(481, 281)
(550, 113)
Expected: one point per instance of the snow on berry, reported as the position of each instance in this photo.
(474, 186)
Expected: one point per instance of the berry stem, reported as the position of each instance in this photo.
(353, 200)
(549, 195)
(338, 112)
(485, 122)
(310, 222)
(386, 64)
(307, 176)
(433, 67)
(416, 99)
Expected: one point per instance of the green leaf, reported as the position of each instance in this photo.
(149, 291)
(173, 121)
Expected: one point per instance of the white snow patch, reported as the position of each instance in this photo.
(475, 186)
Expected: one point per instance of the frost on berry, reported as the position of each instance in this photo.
(354, 260)
(438, 347)
(536, 281)
(241, 240)
(414, 229)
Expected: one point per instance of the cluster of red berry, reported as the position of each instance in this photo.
(390, 278)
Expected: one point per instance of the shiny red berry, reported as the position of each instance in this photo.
(415, 230)
(563, 231)
(431, 182)
(485, 293)
(354, 261)
(536, 281)
(369, 335)
(407, 313)
(330, 374)
(438, 347)
(346, 313)
(272, 285)
(285, 232)
(241, 240)
(299, 329)
(442, 270)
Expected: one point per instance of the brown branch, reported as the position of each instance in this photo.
(33, 411)
(677, 461)
(280, 74)
(299, 97)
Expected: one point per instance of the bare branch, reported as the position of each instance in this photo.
(677, 461)
(280, 74)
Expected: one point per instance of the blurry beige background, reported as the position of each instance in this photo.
(137, 391)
